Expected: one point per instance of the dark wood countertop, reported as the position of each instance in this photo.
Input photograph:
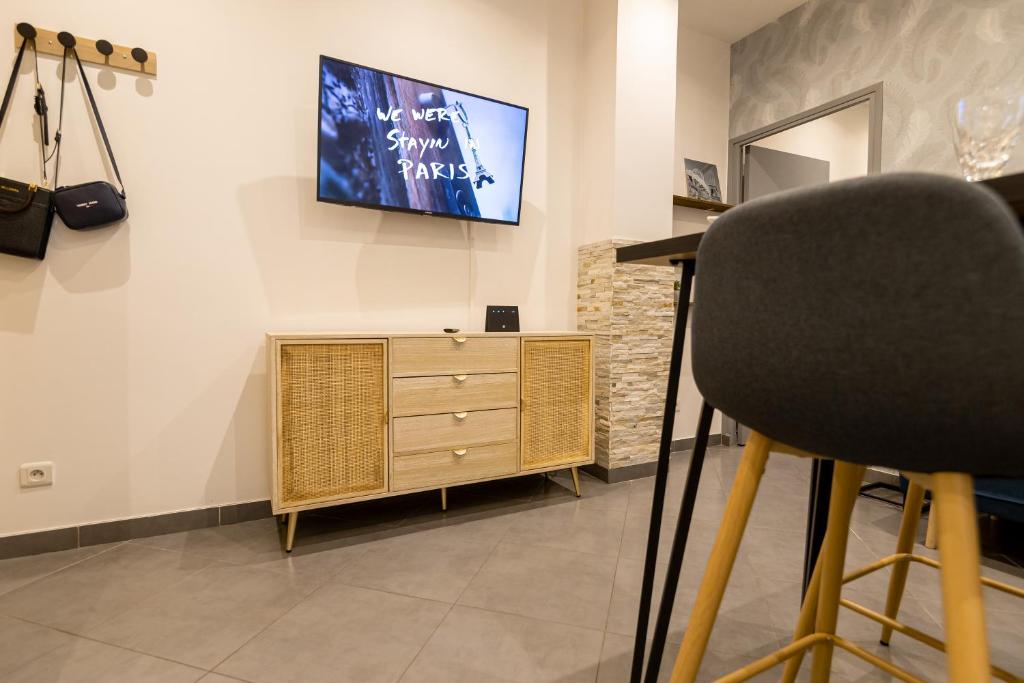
(667, 252)
(670, 251)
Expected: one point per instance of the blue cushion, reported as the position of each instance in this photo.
(1001, 497)
(1007, 490)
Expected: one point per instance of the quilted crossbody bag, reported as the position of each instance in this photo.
(26, 209)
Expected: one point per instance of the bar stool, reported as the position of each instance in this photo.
(876, 321)
(900, 562)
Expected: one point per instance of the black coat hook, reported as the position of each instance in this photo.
(26, 30)
(66, 39)
(104, 47)
(139, 55)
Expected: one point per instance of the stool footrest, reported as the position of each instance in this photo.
(910, 557)
(912, 632)
(799, 646)
(807, 642)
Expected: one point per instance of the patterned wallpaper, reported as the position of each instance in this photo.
(928, 53)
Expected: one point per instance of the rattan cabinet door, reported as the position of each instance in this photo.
(331, 421)
(557, 407)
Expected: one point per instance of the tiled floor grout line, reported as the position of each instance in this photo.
(326, 574)
(41, 654)
(230, 678)
(484, 609)
(200, 555)
(615, 574)
(263, 630)
(597, 669)
(95, 640)
(452, 605)
(150, 597)
(62, 568)
(545, 546)
(611, 593)
(338, 581)
(332, 578)
(168, 586)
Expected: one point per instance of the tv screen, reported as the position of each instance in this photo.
(388, 142)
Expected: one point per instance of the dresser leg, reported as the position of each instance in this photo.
(283, 519)
(444, 498)
(293, 520)
(575, 480)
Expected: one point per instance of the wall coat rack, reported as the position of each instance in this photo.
(101, 51)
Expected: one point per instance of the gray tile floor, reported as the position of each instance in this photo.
(519, 581)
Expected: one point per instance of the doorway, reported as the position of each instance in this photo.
(837, 140)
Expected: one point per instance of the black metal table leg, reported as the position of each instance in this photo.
(675, 559)
(661, 474)
(817, 515)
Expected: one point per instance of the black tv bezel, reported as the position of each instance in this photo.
(402, 209)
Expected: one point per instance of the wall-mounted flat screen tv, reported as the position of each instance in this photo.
(389, 142)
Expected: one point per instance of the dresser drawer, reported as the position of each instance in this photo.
(448, 356)
(452, 393)
(426, 433)
(451, 466)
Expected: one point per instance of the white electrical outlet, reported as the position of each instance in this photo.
(36, 474)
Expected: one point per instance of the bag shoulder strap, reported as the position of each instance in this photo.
(7, 101)
(10, 83)
(99, 121)
(60, 118)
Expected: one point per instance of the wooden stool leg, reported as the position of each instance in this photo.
(904, 544)
(575, 480)
(723, 556)
(845, 488)
(805, 623)
(962, 605)
(931, 536)
(293, 520)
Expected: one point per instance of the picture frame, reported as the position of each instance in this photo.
(702, 180)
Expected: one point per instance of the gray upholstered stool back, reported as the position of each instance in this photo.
(877, 320)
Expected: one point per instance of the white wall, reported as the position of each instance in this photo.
(645, 106)
(702, 116)
(595, 209)
(133, 356)
(702, 133)
(840, 138)
(627, 119)
(670, 89)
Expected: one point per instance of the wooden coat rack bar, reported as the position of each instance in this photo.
(121, 58)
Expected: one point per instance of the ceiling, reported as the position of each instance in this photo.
(730, 20)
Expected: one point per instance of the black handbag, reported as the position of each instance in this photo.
(26, 210)
(97, 203)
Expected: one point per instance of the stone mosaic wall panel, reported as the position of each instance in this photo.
(629, 309)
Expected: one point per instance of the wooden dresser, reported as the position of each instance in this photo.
(362, 416)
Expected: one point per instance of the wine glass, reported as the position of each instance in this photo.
(986, 128)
